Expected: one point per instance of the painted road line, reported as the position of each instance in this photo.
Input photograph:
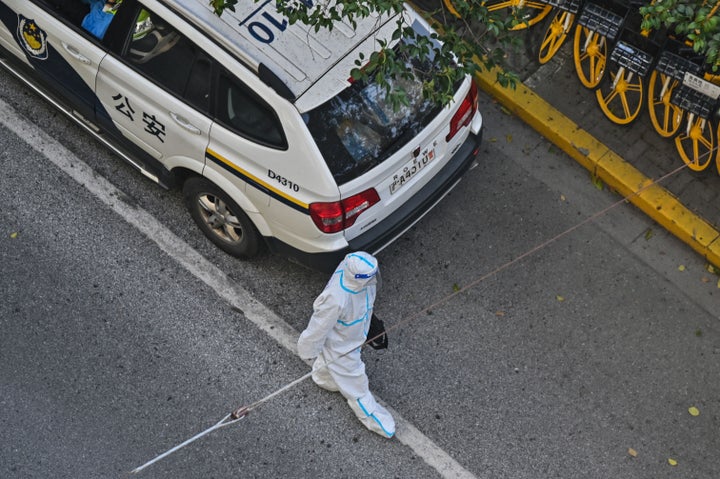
(655, 201)
(201, 268)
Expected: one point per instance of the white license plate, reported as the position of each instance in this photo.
(410, 169)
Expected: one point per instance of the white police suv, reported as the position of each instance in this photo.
(257, 120)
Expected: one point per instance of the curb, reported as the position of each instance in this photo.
(655, 201)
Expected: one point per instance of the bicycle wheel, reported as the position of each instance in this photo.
(529, 12)
(555, 35)
(665, 117)
(717, 157)
(696, 144)
(620, 95)
(451, 8)
(589, 56)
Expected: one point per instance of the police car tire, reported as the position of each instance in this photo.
(248, 242)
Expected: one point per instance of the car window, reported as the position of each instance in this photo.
(244, 112)
(168, 58)
(92, 17)
(73, 11)
(359, 128)
(99, 16)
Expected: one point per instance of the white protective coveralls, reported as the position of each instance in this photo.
(339, 324)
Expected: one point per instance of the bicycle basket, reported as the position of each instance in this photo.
(694, 101)
(632, 58)
(635, 51)
(604, 17)
(678, 58)
(571, 6)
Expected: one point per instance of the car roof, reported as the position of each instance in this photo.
(290, 58)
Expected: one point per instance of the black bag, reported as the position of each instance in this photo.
(377, 328)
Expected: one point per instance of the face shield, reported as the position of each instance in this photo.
(370, 278)
(361, 270)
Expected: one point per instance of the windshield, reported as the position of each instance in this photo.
(359, 128)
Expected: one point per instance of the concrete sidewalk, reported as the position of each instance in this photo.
(629, 159)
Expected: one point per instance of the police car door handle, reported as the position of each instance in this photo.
(76, 54)
(184, 123)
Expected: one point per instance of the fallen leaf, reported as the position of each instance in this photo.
(681, 267)
(597, 181)
(694, 411)
(705, 279)
(560, 298)
(492, 140)
(711, 269)
(499, 313)
(505, 110)
(632, 452)
(698, 332)
(456, 288)
(562, 197)
(508, 138)
(648, 234)
(718, 283)
(672, 461)
(14, 235)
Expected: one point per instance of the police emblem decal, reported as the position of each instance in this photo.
(32, 38)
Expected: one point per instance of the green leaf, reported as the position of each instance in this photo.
(598, 182)
(478, 40)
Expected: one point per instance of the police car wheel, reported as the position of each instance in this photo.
(220, 218)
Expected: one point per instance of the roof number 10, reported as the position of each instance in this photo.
(265, 27)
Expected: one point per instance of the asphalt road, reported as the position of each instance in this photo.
(582, 336)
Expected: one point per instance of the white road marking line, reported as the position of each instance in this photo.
(197, 265)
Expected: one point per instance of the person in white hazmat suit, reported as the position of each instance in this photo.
(340, 324)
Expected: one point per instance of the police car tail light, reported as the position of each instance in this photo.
(465, 113)
(338, 215)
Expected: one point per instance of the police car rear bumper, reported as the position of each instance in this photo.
(385, 232)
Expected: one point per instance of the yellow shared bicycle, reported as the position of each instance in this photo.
(561, 20)
(620, 94)
(528, 12)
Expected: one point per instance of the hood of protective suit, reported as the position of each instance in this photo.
(359, 270)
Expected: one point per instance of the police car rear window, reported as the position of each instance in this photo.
(359, 128)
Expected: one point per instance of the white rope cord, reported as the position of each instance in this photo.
(242, 411)
(222, 423)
